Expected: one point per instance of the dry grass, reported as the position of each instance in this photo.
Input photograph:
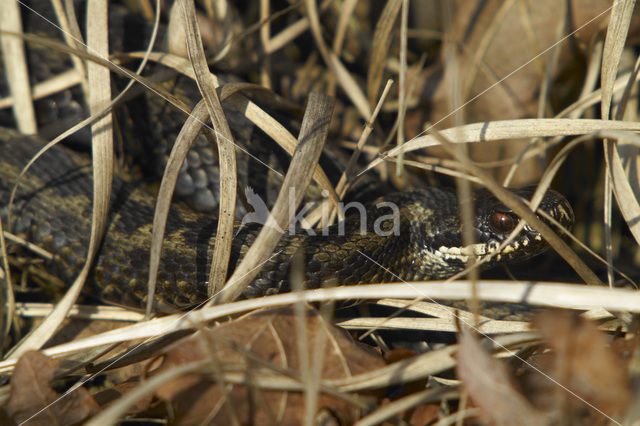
(321, 46)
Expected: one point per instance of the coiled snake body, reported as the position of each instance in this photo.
(53, 209)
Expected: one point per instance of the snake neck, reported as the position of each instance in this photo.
(408, 236)
(391, 240)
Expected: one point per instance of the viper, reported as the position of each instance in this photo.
(421, 241)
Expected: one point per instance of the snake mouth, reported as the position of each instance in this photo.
(495, 222)
(494, 249)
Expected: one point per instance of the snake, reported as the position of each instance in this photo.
(422, 239)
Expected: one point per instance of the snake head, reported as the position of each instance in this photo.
(437, 235)
(494, 222)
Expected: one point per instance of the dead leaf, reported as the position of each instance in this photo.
(398, 354)
(425, 414)
(502, 55)
(113, 393)
(250, 344)
(32, 401)
(497, 37)
(583, 363)
(489, 386)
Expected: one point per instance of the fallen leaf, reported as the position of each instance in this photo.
(501, 60)
(496, 38)
(263, 341)
(32, 401)
(425, 414)
(582, 363)
(490, 387)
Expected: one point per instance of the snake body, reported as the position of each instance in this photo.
(53, 209)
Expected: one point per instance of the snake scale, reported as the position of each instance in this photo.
(53, 210)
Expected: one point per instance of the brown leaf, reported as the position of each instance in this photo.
(489, 385)
(32, 401)
(111, 394)
(263, 338)
(497, 38)
(425, 414)
(398, 354)
(584, 363)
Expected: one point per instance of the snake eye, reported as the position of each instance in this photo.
(502, 222)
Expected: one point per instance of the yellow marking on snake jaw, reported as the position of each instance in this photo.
(462, 253)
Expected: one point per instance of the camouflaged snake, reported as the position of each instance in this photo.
(53, 207)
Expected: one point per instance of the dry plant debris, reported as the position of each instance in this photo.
(32, 400)
(583, 360)
(580, 377)
(263, 350)
(489, 385)
(510, 67)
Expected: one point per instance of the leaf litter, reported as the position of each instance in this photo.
(567, 370)
(33, 401)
